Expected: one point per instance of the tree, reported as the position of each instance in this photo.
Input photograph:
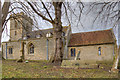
(57, 26)
(3, 15)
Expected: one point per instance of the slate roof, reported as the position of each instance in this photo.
(44, 32)
(92, 38)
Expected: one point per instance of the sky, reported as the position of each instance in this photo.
(85, 24)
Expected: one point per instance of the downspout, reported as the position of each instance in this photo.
(6, 50)
(47, 48)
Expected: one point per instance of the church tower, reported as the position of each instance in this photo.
(20, 26)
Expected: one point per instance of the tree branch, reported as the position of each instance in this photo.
(46, 10)
(5, 10)
(39, 13)
(66, 13)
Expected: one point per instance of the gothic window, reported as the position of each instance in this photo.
(73, 52)
(10, 50)
(99, 50)
(31, 49)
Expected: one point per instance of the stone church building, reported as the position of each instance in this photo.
(39, 45)
(34, 45)
(92, 46)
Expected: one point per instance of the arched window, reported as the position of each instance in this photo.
(31, 49)
(99, 50)
(73, 53)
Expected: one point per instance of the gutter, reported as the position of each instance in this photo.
(90, 44)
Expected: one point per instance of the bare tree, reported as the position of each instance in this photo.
(32, 8)
(56, 23)
(3, 15)
(57, 26)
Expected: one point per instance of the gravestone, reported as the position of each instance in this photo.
(77, 57)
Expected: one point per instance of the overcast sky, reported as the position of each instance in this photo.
(85, 24)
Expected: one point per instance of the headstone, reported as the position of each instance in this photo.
(77, 57)
(26, 61)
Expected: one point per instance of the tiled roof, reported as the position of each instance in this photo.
(91, 38)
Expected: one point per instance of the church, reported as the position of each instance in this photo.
(34, 45)
(39, 44)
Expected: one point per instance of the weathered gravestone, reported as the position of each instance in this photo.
(77, 57)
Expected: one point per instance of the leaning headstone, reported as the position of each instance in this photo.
(77, 57)
(20, 60)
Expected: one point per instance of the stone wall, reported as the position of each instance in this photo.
(40, 49)
(91, 53)
(16, 50)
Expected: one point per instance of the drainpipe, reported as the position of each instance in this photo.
(6, 50)
(47, 48)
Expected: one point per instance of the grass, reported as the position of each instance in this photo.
(43, 69)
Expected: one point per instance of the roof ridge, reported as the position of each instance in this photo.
(49, 28)
(95, 31)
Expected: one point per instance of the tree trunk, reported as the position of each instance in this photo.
(22, 50)
(3, 15)
(5, 9)
(0, 22)
(57, 25)
(115, 63)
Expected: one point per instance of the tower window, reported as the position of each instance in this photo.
(15, 32)
(99, 50)
(15, 24)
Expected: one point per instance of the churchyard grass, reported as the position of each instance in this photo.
(43, 69)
